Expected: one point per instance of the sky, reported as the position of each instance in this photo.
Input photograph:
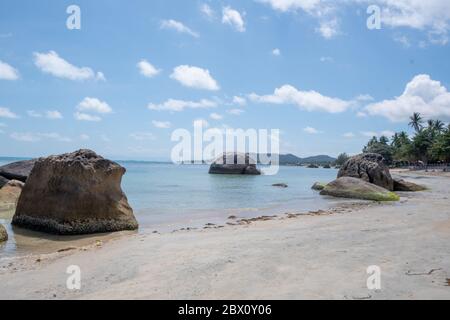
(137, 70)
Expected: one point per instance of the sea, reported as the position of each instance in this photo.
(166, 197)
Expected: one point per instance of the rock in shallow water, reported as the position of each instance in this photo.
(369, 167)
(318, 186)
(75, 193)
(9, 194)
(17, 170)
(234, 163)
(406, 186)
(3, 234)
(354, 188)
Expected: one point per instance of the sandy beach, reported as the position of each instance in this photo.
(321, 255)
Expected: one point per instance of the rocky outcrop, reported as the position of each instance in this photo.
(406, 186)
(280, 185)
(234, 163)
(369, 167)
(3, 234)
(9, 194)
(318, 186)
(3, 181)
(354, 188)
(75, 193)
(17, 170)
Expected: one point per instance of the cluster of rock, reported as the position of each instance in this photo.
(70, 194)
(234, 163)
(366, 177)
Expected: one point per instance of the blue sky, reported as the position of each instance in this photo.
(222, 61)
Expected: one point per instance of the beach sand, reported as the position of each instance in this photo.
(322, 255)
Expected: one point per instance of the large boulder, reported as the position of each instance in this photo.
(234, 163)
(3, 181)
(318, 186)
(3, 234)
(9, 194)
(369, 167)
(17, 170)
(406, 186)
(75, 193)
(354, 188)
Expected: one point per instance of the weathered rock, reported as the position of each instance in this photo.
(318, 186)
(17, 170)
(3, 181)
(402, 185)
(280, 185)
(313, 166)
(3, 234)
(9, 194)
(354, 188)
(75, 193)
(369, 167)
(234, 163)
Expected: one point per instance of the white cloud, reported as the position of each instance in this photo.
(349, 135)
(403, 40)
(142, 136)
(422, 94)
(195, 77)
(84, 137)
(6, 113)
(235, 112)
(179, 27)
(216, 116)
(207, 11)
(233, 18)
(311, 130)
(147, 69)
(240, 101)
(51, 114)
(292, 5)
(161, 124)
(53, 64)
(86, 117)
(34, 137)
(276, 52)
(305, 100)
(180, 105)
(328, 28)
(94, 105)
(326, 59)
(7, 72)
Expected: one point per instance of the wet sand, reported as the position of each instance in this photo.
(320, 255)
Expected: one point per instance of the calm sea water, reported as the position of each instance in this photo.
(167, 196)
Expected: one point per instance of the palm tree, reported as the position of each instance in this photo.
(416, 122)
(439, 126)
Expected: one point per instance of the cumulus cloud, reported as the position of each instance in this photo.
(311, 130)
(6, 113)
(161, 124)
(86, 117)
(304, 100)
(240, 101)
(195, 77)
(179, 27)
(276, 52)
(207, 11)
(233, 18)
(7, 72)
(216, 116)
(53, 64)
(94, 105)
(179, 105)
(34, 137)
(328, 28)
(147, 69)
(422, 94)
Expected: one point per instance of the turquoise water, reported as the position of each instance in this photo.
(166, 197)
